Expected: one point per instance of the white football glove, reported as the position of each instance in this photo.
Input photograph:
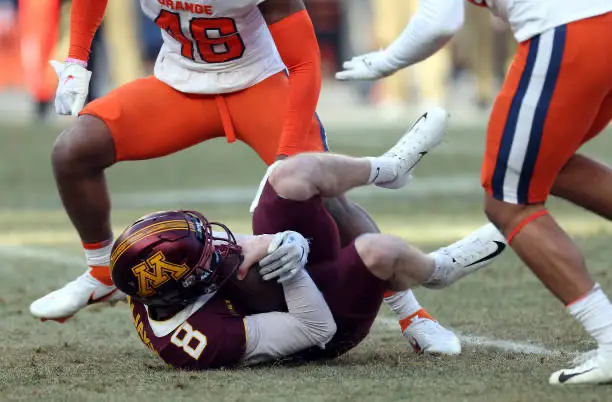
(369, 66)
(262, 184)
(72, 88)
(287, 254)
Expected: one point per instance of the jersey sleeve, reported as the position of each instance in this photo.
(297, 45)
(431, 27)
(85, 19)
(308, 323)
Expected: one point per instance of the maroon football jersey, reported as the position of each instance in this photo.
(212, 337)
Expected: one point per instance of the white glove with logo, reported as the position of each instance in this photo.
(287, 254)
(262, 184)
(369, 66)
(72, 88)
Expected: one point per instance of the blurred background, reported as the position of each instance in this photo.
(464, 76)
(40, 251)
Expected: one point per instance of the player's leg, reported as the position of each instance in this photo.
(307, 178)
(331, 175)
(355, 282)
(424, 333)
(131, 123)
(351, 220)
(261, 130)
(549, 103)
(594, 194)
(393, 260)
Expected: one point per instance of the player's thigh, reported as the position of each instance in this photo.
(602, 120)
(353, 294)
(309, 218)
(548, 104)
(258, 114)
(148, 119)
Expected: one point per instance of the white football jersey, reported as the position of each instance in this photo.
(532, 17)
(212, 46)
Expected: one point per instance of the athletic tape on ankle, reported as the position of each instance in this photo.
(524, 223)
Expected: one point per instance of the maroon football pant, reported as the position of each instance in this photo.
(352, 292)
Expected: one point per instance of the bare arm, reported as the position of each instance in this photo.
(277, 10)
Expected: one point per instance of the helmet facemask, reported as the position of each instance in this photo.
(221, 254)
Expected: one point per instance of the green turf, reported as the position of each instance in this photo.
(97, 355)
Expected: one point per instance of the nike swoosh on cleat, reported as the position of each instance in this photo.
(566, 377)
(500, 249)
(423, 116)
(92, 300)
(377, 173)
(415, 345)
(421, 155)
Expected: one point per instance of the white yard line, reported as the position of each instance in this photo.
(505, 345)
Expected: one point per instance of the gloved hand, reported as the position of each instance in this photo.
(72, 88)
(369, 66)
(287, 254)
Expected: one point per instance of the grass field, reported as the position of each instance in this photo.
(515, 334)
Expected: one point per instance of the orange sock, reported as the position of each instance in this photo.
(405, 322)
(98, 259)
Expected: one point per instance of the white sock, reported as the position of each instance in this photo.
(99, 257)
(438, 278)
(594, 312)
(383, 170)
(403, 304)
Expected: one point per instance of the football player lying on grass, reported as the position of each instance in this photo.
(195, 293)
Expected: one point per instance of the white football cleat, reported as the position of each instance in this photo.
(426, 335)
(596, 370)
(466, 256)
(63, 303)
(424, 135)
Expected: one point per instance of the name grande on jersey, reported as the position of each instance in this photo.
(194, 8)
